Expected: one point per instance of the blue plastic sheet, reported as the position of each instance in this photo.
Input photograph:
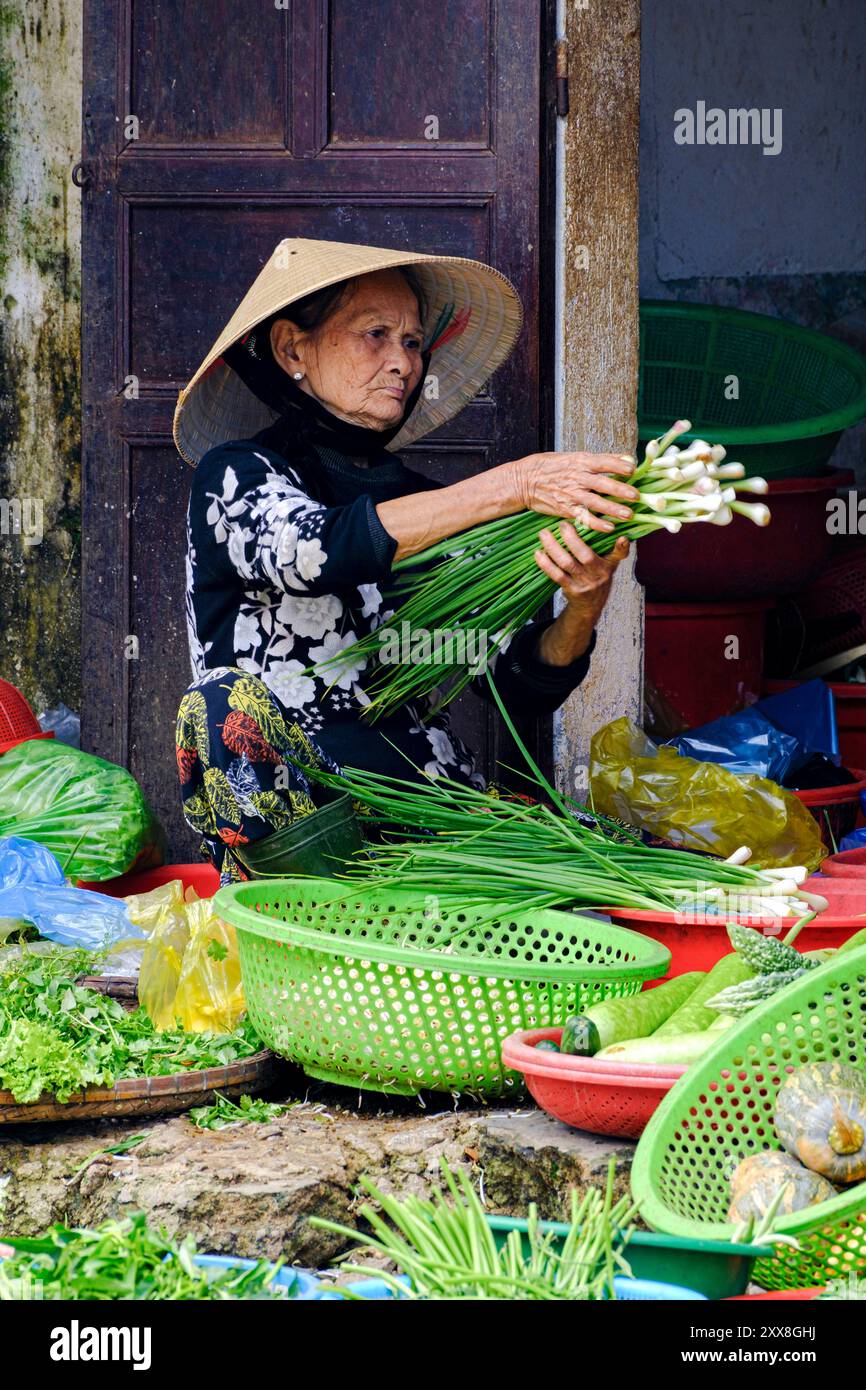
(773, 738)
(857, 838)
(33, 889)
(745, 743)
(808, 713)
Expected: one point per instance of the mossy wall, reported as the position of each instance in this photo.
(40, 291)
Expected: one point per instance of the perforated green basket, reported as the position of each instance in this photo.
(722, 1110)
(796, 390)
(375, 989)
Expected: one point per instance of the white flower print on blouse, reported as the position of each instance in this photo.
(290, 686)
(372, 599)
(309, 559)
(248, 633)
(443, 748)
(341, 673)
(309, 617)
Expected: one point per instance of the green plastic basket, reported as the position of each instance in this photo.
(721, 1110)
(356, 986)
(797, 389)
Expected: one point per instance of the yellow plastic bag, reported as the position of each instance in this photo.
(210, 995)
(698, 805)
(190, 971)
(147, 910)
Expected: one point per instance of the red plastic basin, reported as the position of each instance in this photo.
(587, 1093)
(849, 863)
(202, 877)
(688, 647)
(697, 942)
(742, 562)
(836, 809)
(846, 896)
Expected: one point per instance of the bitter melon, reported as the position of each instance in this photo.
(739, 999)
(767, 955)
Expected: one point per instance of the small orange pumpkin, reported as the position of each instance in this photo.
(821, 1119)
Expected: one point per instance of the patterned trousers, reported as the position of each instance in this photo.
(238, 755)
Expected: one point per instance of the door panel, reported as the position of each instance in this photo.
(257, 123)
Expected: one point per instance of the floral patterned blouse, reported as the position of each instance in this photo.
(286, 565)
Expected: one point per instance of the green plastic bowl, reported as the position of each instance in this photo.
(370, 988)
(798, 390)
(717, 1269)
(721, 1111)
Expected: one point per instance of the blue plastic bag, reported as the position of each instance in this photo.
(745, 743)
(808, 713)
(857, 838)
(33, 889)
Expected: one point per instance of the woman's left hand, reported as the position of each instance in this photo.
(585, 580)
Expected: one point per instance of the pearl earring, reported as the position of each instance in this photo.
(297, 376)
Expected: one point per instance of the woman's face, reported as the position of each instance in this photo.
(364, 361)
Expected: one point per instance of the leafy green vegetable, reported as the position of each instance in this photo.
(125, 1260)
(57, 1036)
(224, 1112)
(117, 1150)
(217, 950)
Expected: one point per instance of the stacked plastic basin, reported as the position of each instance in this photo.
(778, 397)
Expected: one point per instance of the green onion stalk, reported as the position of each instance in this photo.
(478, 588)
(441, 838)
(444, 1248)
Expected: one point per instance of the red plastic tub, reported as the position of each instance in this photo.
(850, 715)
(202, 877)
(689, 656)
(742, 562)
(585, 1092)
(698, 942)
(850, 863)
(846, 896)
(836, 809)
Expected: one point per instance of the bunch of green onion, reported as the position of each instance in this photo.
(458, 842)
(445, 1249)
(478, 588)
(451, 841)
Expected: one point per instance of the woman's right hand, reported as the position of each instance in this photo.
(575, 486)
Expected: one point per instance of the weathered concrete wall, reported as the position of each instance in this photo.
(40, 286)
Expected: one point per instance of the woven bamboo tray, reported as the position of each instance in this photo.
(147, 1095)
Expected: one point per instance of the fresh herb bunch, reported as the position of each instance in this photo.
(224, 1113)
(445, 1248)
(57, 1036)
(482, 585)
(125, 1260)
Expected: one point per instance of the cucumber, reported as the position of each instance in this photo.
(635, 1017)
(678, 1051)
(694, 1016)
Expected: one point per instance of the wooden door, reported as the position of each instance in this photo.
(211, 131)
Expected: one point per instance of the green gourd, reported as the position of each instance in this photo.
(821, 1119)
(694, 1015)
(614, 1020)
(759, 1178)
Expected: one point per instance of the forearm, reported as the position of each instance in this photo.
(422, 518)
(568, 637)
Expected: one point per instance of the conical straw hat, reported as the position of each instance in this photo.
(481, 306)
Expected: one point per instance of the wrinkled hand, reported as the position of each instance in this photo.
(575, 485)
(585, 580)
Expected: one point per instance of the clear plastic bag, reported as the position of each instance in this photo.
(88, 812)
(699, 805)
(33, 890)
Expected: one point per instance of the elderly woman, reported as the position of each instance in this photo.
(299, 507)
